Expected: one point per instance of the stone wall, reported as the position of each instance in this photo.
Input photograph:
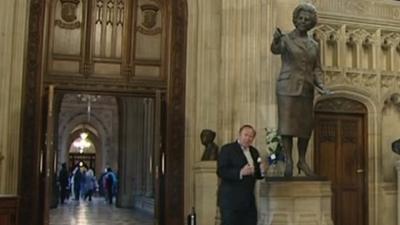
(231, 75)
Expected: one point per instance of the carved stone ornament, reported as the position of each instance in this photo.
(328, 33)
(386, 43)
(149, 19)
(388, 81)
(340, 105)
(364, 8)
(68, 15)
(367, 42)
(358, 6)
(351, 40)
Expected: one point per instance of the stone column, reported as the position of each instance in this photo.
(13, 29)
(202, 83)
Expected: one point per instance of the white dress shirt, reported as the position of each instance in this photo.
(247, 154)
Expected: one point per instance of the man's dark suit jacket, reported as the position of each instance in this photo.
(235, 193)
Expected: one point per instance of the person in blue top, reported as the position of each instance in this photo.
(110, 183)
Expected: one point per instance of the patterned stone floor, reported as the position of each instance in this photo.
(97, 212)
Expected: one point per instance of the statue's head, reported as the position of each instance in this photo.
(305, 8)
(207, 136)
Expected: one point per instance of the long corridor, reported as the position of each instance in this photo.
(96, 212)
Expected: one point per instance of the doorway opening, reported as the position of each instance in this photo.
(115, 134)
(66, 56)
(341, 156)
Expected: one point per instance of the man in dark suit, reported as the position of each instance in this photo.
(239, 167)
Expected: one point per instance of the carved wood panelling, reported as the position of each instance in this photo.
(118, 41)
(327, 131)
(70, 15)
(108, 28)
(340, 105)
(149, 17)
(66, 41)
(349, 131)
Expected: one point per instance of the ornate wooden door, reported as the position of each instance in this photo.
(340, 155)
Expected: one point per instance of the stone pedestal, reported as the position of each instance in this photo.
(206, 185)
(295, 202)
(398, 191)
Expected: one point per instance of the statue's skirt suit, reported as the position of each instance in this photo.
(295, 115)
(299, 74)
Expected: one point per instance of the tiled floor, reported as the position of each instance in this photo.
(97, 212)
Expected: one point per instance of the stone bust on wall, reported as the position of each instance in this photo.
(396, 146)
(211, 149)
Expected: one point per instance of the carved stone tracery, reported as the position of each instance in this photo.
(358, 36)
(373, 66)
(327, 33)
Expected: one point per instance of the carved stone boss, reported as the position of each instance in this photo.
(68, 15)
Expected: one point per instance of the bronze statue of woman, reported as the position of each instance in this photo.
(300, 74)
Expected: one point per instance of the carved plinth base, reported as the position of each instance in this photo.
(295, 202)
(206, 185)
(398, 191)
